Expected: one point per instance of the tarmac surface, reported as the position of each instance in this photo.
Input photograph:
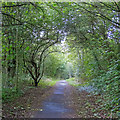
(55, 105)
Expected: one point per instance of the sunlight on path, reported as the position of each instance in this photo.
(54, 106)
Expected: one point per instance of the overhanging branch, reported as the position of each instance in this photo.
(116, 24)
(44, 63)
(14, 5)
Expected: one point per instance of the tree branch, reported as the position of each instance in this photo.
(28, 68)
(44, 63)
(108, 6)
(11, 25)
(14, 5)
(36, 6)
(102, 16)
(33, 55)
(22, 23)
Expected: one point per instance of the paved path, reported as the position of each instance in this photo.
(55, 105)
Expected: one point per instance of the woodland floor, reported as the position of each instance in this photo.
(32, 103)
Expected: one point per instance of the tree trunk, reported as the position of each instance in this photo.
(36, 83)
(17, 64)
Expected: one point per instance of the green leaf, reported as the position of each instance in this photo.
(7, 49)
(27, 48)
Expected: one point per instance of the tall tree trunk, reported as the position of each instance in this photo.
(16, 57)
(16, 62)
(8, 63)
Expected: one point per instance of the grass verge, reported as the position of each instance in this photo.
(47, 82)
(72, 81)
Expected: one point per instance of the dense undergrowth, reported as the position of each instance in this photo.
(105, 85)
(11, 93)
(108, 85)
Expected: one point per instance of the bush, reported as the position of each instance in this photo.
(9, 94)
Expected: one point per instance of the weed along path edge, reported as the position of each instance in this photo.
(56, 105)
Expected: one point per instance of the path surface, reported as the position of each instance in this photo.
(55, 106)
